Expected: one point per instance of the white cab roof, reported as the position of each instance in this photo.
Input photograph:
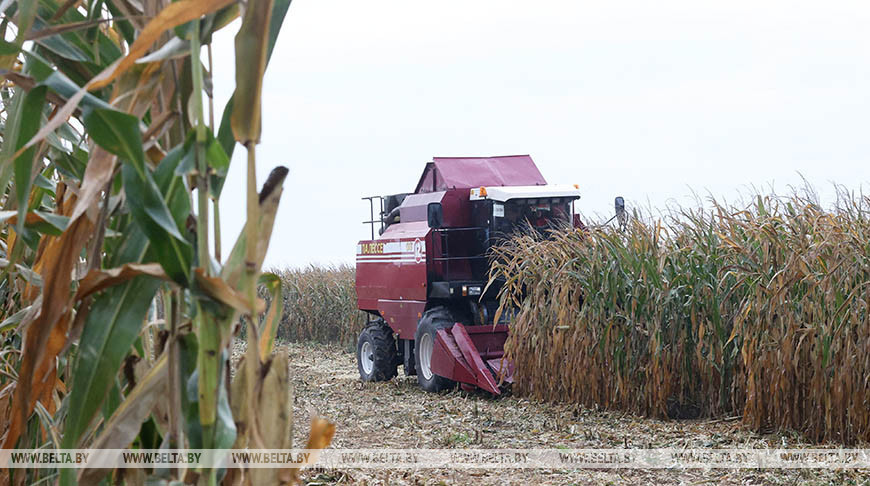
(505, 193)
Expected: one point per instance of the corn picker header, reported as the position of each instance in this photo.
(423, 277)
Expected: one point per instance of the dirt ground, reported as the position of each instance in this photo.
(397, 414)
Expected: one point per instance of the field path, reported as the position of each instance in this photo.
(397, 414)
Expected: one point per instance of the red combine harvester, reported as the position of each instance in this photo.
(423, 278)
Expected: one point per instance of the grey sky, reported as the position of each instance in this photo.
(648, 100)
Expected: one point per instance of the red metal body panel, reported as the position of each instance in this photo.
(503, 368)
(462, 354)
(483, 377)
(448, 361)
(467, 172)
(392, 267)
(391, 275)
(455, 203)
(402, 315)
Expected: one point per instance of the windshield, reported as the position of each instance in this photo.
(542, 213)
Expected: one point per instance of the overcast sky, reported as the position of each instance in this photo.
(648, 100)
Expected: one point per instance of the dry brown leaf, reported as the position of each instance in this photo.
(274, 415)
(173, 15)
(320, 436)
(124, 424)
(97, 280)
(218, 289)
(251, 47)
(46, 335)
(322, 432)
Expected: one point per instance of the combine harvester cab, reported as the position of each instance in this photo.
(423, 276)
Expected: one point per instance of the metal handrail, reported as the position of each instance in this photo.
(372, 222)
(447, 259)
(467, 228)
(446, 250)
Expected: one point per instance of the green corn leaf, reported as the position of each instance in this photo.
(91, 43)
(31, 116)
(124, 424)
(111, 328)
(225, 133)
(117, 314)
(68, 165)
(173, 186)
(14, 117)
(270, 324)
(59, 46)
(153, 216)
(118, 133)
(67, 88)
(8, 48)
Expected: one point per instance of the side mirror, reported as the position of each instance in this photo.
(619, 205)
(435, 215)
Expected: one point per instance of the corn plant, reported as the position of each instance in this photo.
(759, 310)
(119, 312)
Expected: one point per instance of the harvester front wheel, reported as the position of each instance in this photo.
(424, 343)
(376, 353)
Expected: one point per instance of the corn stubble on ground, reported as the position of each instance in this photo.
(397, 414)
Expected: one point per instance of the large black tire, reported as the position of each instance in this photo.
(424, 340)
(376, 353)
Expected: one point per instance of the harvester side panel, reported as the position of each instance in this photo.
(455, 203)
(391, 275)
(402, 315)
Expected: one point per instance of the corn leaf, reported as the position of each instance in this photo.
(124, 424)
(97, 280)
(251, 48)
(172, 15)
(112, 326)
(29, 124)
(273, 318)
(46, 335)
(225, 132)
(152, 214)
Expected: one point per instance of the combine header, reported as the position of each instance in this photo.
(422, 276)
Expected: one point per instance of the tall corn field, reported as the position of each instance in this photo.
(758, 311)
(320, 305)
